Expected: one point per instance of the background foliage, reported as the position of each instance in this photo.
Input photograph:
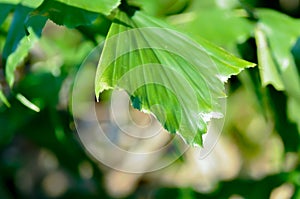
(42, 46)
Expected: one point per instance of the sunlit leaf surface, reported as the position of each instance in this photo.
(27, 3)
(166, 73)
(209, 23)
(100, 6)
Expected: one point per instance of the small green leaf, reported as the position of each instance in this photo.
(27, 103)
(166, 73)
(63, 14)
(99, 6)
(4, 99)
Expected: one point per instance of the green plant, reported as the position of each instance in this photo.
(281, 71)
(163, 34)
(209, 75)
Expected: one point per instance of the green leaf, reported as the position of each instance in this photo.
(281, 32)
(293, 111)
(268, 70)
(166, 73)
(294, 105)
(16, 57)
(27, 103)
(99, 6)
(17, 43)
(160, 8)
(209, 23)
(31, 3)
(5, 9)
(4, 99)
(16, 31)
(63, 14)
(13, 2)
(27, 3)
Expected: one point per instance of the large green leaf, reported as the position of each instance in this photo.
(100, 6)
(166, 73)
(63, 14)
(281, 32)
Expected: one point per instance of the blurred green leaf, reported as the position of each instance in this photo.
(281, 32)
(5, 9)
(159, 71)
(14, 2)
(16, 30)
(27, 3)
(296, 53)
(294, 105)
(160, 8)
(31, 3)
(99, 6)
(268, 70)
(27, 103)
(18, 56)
(209, 23)
(293, 111)
(3, 99)
(63, 14)
(21, 37)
